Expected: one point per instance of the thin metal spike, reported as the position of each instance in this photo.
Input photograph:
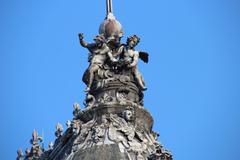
(109, 6)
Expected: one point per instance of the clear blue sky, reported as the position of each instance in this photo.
(193, 77)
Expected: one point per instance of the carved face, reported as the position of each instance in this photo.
(131, 44)
(132, 41)
(128, 115)
(99, 39)
(98, 42)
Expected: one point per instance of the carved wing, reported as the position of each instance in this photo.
(143, 56)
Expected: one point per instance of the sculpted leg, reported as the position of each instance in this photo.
(139, 78)
(92, 69)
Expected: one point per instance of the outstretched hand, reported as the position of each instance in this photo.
(80, 35)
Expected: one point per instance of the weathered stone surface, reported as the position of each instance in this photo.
(114, 124)
(143, 118)
(103, 152)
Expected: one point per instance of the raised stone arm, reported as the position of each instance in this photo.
(83, 43)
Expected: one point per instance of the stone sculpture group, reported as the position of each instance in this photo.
(114, 124)
(109, 59)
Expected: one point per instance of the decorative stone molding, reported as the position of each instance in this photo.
(114, 125)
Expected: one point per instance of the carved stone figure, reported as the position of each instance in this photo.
(114, 125)
(130, 58)
(99, 52)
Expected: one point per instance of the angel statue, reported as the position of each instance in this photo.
(99, 52)
(130, 58)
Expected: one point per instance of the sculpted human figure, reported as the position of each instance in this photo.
(99, 52)
(130, 59)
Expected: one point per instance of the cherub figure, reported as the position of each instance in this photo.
(130, 58)
(99, 52)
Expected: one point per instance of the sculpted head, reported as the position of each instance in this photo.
(99, 39)
(132, 41)
(128, 115)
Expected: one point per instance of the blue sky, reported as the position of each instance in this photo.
(192, 78)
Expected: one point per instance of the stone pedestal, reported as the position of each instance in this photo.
(114, 125)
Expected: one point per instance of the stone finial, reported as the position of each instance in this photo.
(68, 124)
(35, 138)
(50, 145)
(20, 155)
(36, 149)
(27, 152)
(110, 27)
(76, 106)
(76, 109)
(59, 130)
(20, 152)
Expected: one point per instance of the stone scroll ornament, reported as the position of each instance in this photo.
(114, 124)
